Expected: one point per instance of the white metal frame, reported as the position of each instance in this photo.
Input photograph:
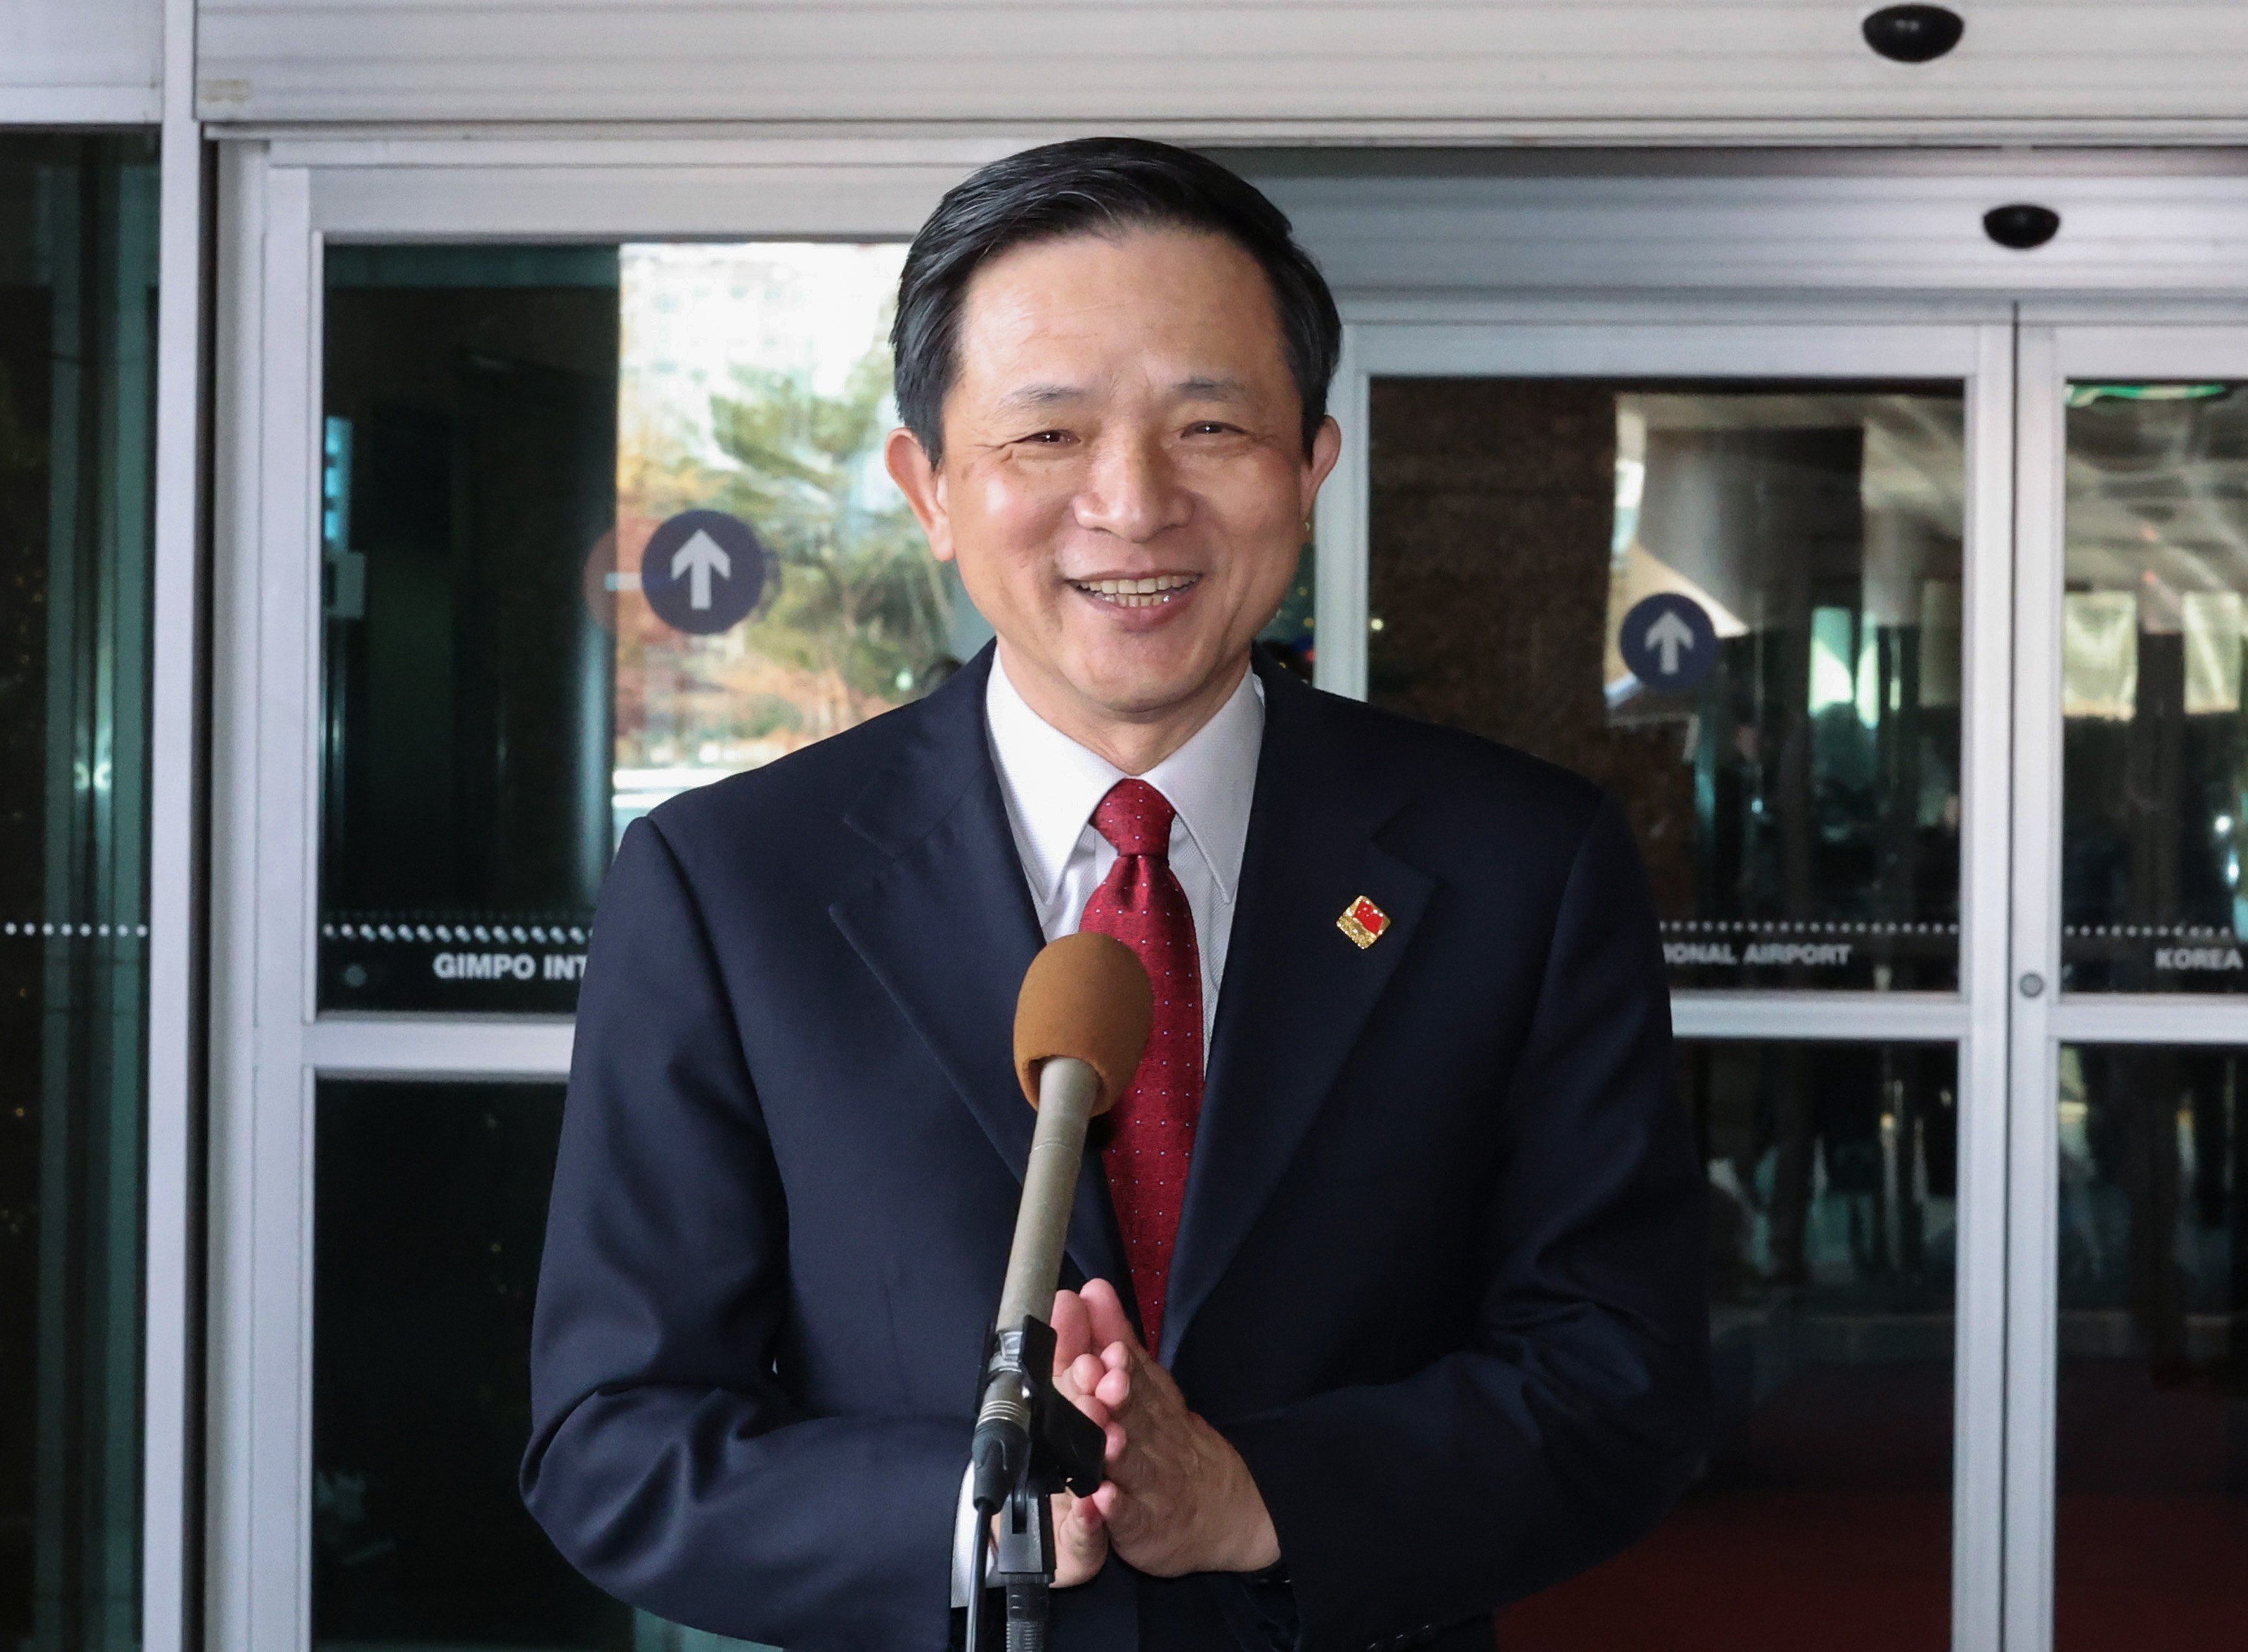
(1730, 304)
(172, 1234)
(83, 105)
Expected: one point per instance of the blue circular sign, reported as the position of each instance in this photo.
(702, 571)
(1669, 642)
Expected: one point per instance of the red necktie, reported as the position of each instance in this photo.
(1140, 903)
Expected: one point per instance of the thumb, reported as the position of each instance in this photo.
(1105, 1315)
(1081, 1540)
(1073, 1329)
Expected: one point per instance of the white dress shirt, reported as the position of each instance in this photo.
(1052, 784)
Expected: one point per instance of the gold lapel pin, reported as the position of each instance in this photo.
(1363, 922)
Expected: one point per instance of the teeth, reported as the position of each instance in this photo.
(1138, 593)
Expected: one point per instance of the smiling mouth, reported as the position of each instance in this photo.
(1149, 592)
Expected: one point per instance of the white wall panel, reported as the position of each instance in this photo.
(1332, 68)
(64, 61)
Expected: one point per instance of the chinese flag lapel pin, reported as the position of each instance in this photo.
(1363, 922)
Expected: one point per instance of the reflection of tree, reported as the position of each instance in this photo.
(861, 599)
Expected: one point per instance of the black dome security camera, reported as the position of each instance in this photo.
(2021, 225)
(1914, 34)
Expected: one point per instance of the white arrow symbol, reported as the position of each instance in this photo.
(702, 556)
(1666, 636)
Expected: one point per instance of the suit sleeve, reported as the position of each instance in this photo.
(1582, 1412)
(666, 1462)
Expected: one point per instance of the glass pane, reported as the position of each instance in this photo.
(1735, 606)
(431, 1203)
(2154, 744)
(599, 523)
(1826, 1499)
(2152, 1542)
(78, 307)
(469, 452)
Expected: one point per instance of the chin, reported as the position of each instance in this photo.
(1142, 692)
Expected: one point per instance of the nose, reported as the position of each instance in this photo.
(1130, 490)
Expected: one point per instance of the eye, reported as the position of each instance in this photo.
(1048, 439)
(1210, 427)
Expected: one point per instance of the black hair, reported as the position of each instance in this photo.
(1096, 186)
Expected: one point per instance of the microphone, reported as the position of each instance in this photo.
(1080, 1025)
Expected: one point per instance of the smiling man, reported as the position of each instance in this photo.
(1385, 1276)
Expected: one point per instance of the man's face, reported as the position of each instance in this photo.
(1124, 484)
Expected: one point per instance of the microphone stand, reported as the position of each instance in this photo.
(1029, 1442)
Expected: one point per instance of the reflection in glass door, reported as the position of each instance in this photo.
(2154, 742)
(1736, 607)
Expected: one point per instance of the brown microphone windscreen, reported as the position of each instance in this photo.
(1086, 996)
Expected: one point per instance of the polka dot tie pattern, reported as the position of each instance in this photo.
(1140, 903)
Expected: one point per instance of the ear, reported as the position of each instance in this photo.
(1327, 448)
(923, 486)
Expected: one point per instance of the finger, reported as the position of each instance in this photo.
(1084, 1374)
(1087, 1517)
(1114, 1389)
(1109, 1321)
(1073, 1329)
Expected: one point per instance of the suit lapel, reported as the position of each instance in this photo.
(947, 929)
(1297, 990)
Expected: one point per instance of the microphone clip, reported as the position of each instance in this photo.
(1029, 1442)
(1026, 1433)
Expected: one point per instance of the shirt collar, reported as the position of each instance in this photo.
(1053, 784)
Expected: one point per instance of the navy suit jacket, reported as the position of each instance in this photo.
(1438, 1274)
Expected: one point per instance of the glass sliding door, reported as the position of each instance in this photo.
(1732, 575)
(2131, 1372)
(523, 454)
(77, 292)
(523, 450)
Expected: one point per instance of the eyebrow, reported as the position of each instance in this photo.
(1038, 396)
(1211, 390)
(1042, 395)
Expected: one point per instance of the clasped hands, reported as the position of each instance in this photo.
(1177, 1498)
